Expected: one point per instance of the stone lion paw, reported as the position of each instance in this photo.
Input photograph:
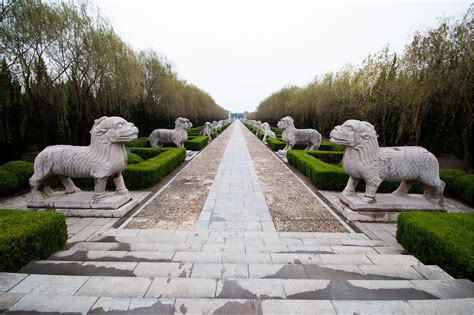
(122, 192)
(367, 199)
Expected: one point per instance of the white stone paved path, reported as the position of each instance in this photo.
(236, 201)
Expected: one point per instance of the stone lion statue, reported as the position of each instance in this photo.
(214, 126)
(206, 130)
(293, 136)
(104, 157)
(267, 132)
(364, 159)
(177, 136)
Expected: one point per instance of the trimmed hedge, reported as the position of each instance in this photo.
(27, 236)
(21, 169)
(152, 170)
(8, 183)
(443, 239)
(277, 144)
(196, 143)
(459, 184)
(330, 157)
(327, 145)
(134, 159)
(142, 142)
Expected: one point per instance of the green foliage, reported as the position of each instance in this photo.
(196, 143)
(213, 134)
(443, 239)
(8, 183)
(459, 184)
(27, 236)
(277, 144)
(21, 169)
(142, 142)
(151, 171)
(326, 145)
(330, 157)
(134, 159)
(422, 96)
(147, 153)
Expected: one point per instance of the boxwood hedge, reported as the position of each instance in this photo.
(443, 239)
(152, 170)
(459, 184)
(196, 143)
(142, 142)
(134, 159)
(27, 236)
(8, 183)
(21, 169)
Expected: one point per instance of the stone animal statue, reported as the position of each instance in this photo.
(364, 159)
(206, 130)
(293, 136)
(214, 126)
(267, 132)
(177, 136)
(104, 157)
(258, 127)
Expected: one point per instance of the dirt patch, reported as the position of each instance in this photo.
(292, 206)
(180, 203)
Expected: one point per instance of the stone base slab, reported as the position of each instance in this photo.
(386, 209)
(80, 204)
(390, 202)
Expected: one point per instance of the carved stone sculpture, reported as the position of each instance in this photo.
(258, 127)
(104, 157)
(177, 136)
(293, 136)
(364, 159)
(206, 130)
(214, 126)
(267, 132)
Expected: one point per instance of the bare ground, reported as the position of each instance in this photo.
(180, 203)
(292, 206)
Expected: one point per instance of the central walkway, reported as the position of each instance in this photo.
(235, 201)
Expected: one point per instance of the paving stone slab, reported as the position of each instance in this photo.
(66, 304)
(152, 270)
(151, 306)
(215, 306)
(217, 271)
(247, 258)
(432, 272)
(9, 280)
(372, 307)
(8, 299)
(302, 307)
(290, 258)
(198, 257)
(115, 287)
(108, 304)
(394, 259)
(182, 288)
(446, 289)
(50, 285)
(394, 271)
(446, 306)
(250, 289)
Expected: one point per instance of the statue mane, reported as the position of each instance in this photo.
(368, 149)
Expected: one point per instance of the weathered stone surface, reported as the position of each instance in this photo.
(297, 307)
(364, 159)
(268, 133)
(250, 289)
(7, 300)
(115, 287)
(177, 136)
(31, 304)
(104, 157)
(175, 270)
(293, 136)
(176, 288)
(50, 285)
(9, 280)
(215, 306)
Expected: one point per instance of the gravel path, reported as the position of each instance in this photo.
(292, 206)
(178, 206)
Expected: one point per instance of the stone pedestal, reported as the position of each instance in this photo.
(80, 204)
(387, 207)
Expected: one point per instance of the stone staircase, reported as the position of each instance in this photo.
(189, 272)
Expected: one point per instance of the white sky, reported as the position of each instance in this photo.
(241, 52)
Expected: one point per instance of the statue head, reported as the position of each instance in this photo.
(183, 123)
(285, 122)
(207, 125)
(265, 126)
(113, 130)
(353, 133)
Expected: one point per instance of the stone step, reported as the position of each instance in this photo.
(201, 240)
(239, 248)
(230, 270)
(291, 289)
(15, 302)
(236, 257)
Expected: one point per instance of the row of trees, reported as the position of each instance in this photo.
(424, 96)
(62, 66)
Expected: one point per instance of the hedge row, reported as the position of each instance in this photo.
(328, 176)
(28, 235)
(443, 239)
(142, 142)
(152, 170)
(15, 175)
(459, 184)
(196, 143)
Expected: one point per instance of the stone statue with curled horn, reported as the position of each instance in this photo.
(364, 159)
(104, 157)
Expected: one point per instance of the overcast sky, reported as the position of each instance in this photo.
(241, 52)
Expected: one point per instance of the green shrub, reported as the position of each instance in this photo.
(196, 143)
(134, 159)
(8, 183)
(142, 142)
(260, 135)
(448, 176)
(277, 144)
(330, 157)
(464, 188)
(146, 153)
(28, 235)
(151, 171)
(326, 145)
(443, 239)
(213, 134)
(21, 169)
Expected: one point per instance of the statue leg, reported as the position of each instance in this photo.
(99, 188)
(403, 189)
(120, 188)
(438, 191)
(290, 146)
(68, 184)
(370, 191)
(350, 189)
